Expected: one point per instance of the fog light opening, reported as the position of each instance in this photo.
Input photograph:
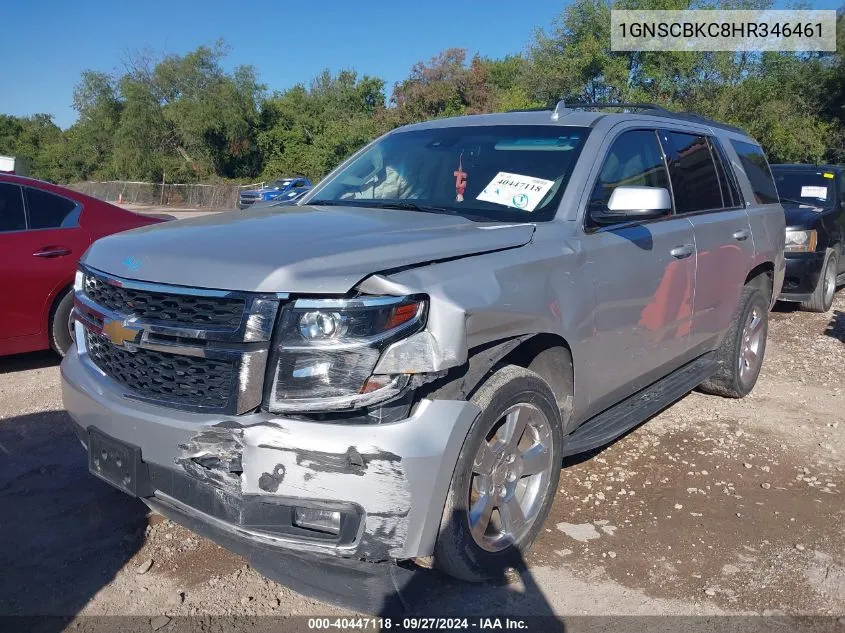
(326, 521)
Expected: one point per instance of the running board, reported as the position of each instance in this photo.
(636, 409)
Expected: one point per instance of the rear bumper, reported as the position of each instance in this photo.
(242, 475)
(802, 275)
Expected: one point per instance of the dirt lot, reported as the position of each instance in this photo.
(715, 506)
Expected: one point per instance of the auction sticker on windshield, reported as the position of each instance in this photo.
(514, 190)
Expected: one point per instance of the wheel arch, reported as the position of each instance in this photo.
(762, 276)
(52, 302)
(523, 351)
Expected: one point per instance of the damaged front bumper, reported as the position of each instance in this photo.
(244, 476)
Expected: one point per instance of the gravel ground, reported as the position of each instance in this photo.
(713, 507)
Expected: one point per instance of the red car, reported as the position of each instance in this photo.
(44, 230)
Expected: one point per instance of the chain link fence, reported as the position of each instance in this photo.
(224, 196)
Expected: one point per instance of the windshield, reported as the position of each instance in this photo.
(816, 188)
(487, 173)
(278, 184)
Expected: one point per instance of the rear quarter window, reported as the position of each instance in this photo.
(12, 216)
(47, 210)
(756, 167)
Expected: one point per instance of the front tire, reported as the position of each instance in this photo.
(505, 479)
(741, 354)
(61, 326)
(822, 297)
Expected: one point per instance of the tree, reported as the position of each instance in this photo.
(96, 100)
(186, 118)
(36, 139)
(310, 130)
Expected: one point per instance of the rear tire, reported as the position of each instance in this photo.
(495, 506)
(822, 297)
(741, 353)
(61, 332)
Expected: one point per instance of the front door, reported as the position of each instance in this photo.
(643, 275)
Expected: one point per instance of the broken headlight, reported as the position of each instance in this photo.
(325, 351)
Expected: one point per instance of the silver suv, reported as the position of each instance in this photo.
(395, 367)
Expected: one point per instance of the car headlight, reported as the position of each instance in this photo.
(325, 351)
(800, 241)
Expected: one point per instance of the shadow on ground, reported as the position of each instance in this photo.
(63, 533)
(836, 327)
(512, 593)
(24, 362)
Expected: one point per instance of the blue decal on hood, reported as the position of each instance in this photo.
(131, 263)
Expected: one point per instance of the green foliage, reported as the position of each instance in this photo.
(787, 101)
(308, 131)
(36, 139)
(184, 118)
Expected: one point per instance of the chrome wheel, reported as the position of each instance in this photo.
(829, 282)
(510, 476)
(753, 337)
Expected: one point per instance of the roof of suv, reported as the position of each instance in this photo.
(805, 167)
(582, 115)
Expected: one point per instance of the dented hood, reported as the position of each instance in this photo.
(295, 249)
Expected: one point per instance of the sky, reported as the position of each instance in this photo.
(46, 44)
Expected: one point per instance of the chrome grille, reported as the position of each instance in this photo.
(186, 310)
(185, 380)
(188, 348)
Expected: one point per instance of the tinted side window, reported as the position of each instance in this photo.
(730, 191)
(695, 182)
(12, 217)
(46, 210)
(757, 169)
(634, 160)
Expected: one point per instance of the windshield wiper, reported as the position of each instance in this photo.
(404, 205)
(806, 203)
(410, 206)
(331, 203)
(427, 208)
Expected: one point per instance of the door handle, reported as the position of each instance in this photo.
(50, 252)
(741, 235)
(682, 252)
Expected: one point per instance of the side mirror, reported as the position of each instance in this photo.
(635, 203)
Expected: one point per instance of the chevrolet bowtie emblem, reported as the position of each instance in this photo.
(119, 333)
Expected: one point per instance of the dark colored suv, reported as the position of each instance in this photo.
(813, 197)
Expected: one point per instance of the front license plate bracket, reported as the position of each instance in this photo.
(118, 464)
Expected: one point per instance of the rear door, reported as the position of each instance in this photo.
(643, 275)
(14, 297)
(706, 193)
(40, 260)
(840, 219)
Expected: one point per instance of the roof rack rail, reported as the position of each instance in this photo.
(656, 110)
(625, 106)
(647, 108)
(693, 117)
(542, 109)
